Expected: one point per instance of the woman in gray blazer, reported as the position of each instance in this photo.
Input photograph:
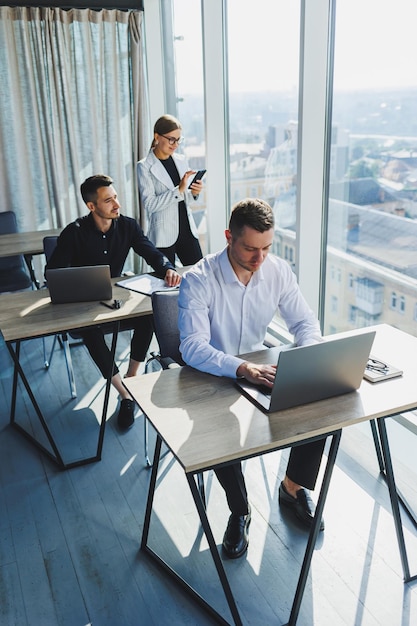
(163, 179)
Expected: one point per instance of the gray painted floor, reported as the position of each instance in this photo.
(70, 540)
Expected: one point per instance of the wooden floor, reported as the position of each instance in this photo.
(69, 540)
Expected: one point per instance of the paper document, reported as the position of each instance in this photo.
(145, 283)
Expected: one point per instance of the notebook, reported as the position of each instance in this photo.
(79, 284)
(310, 373)
(145, 283)
(377, 370)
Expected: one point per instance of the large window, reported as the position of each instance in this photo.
(372, 158)
(263, 68)
(189, 93)
(372, 228)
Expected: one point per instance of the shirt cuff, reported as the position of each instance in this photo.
(231, 365)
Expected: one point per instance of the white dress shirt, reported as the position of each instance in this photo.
(219, 317)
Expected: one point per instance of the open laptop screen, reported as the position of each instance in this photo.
(310, 373)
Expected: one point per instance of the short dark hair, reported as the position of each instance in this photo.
(89, 187)
(165, 124)
(252, 212)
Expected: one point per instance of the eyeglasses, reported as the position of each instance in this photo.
(172, 140)
(376, 366)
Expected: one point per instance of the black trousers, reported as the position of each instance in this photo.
(187, 247)
(94, 339)
(303, 468)
(188, 252)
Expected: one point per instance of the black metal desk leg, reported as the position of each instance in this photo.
(201, 489)
(18, 371)
(402, 500)
(29, 263)
(394, 498)
(151, 492)
(200, 504)
(56, 456)
(377, 446)
(107, 392)
(302, 580)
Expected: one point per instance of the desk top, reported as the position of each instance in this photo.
(25, 243)
(205, 421)
(29, 314)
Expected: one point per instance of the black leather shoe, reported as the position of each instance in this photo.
(236, 539)
(126, 416)
(302, 506)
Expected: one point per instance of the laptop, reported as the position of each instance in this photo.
(310, 373)
(79, 284)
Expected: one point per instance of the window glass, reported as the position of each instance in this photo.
(189, 91)
(372, 226)
(263, 58)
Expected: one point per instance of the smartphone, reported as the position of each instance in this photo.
(199, 175)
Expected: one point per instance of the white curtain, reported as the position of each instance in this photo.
(72, 101)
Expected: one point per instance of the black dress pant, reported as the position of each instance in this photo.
(188, 251)
(187, 247)
(94, 339)
(303, 468)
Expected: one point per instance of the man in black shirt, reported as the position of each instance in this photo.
(104, 237)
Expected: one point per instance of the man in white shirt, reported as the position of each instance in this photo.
(226, 302)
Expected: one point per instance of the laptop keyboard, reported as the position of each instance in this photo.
(265, 390)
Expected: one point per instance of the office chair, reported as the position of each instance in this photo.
(49, 244)
(13, 273)
(165, 319)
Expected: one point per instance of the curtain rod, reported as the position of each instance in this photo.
(124, 5)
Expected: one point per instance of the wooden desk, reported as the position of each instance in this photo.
(28, 244)
(206, 422)
(30, 314)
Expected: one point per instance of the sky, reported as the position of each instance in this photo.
(376, 44)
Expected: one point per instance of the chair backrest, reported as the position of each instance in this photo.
(13, 270)
(49, 245)
(165, 317)
(8, 223)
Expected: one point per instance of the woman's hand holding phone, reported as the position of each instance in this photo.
(197, 178)
(196, 185)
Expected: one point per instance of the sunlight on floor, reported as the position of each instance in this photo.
(95, 394)
(128, 464)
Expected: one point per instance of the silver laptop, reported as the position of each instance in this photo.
(310, 373)
(79, 284)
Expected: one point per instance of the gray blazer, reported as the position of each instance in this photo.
(160, 199)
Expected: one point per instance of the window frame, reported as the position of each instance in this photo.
(316, 52)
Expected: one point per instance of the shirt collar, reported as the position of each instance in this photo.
(92, 224)
(229, 275)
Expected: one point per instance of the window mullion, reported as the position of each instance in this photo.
(315, 19)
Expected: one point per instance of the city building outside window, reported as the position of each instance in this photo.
(263, 107)
(187, 95)
(372, 209)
